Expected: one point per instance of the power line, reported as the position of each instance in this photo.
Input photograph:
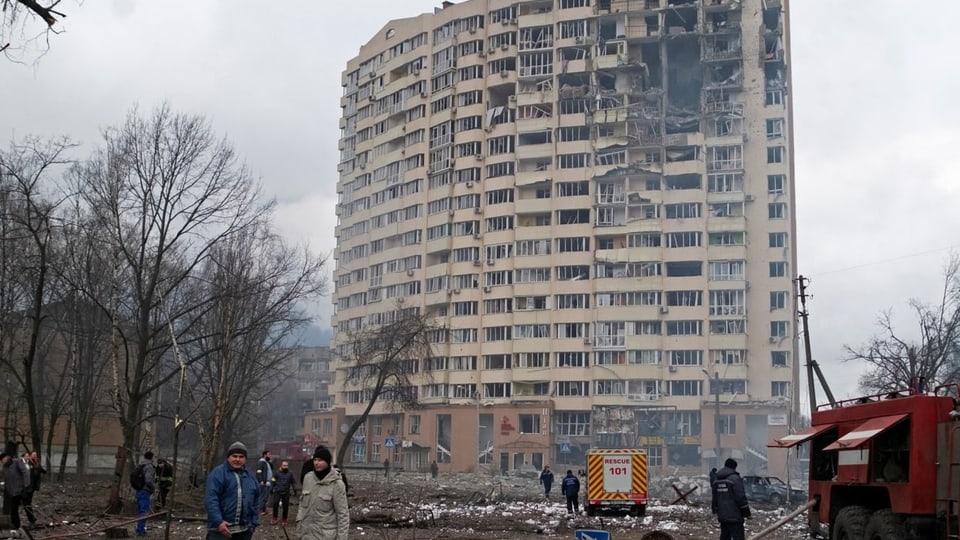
(885, 261)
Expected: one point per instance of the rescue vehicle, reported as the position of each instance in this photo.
(616, 480)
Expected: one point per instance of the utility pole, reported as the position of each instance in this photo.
(716, 415)
(812, 366)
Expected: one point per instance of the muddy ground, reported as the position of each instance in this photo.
(410, 506)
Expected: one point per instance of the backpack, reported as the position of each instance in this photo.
(138, 477)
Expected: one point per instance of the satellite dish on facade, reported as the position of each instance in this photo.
(344, 428)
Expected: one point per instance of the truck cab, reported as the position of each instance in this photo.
(884, 467)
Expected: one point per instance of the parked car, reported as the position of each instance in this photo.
(770, 489)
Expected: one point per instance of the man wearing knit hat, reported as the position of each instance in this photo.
(232, 498)
(317, 519)
(729, 502)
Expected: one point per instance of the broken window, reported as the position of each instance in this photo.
(728, 302)
(728, 326)
(683, 239)
(647, 239)
(725, 157)
(536, 137)
(684, 298)
(684, 269)
(580, 133)
(682, 210)
(779, 358)
(774, 128)
(500, 145)
(683, 181)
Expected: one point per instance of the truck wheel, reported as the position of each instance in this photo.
(639, 510)
(850, 523)
(775, 499)
(590, 510)
(885, 525)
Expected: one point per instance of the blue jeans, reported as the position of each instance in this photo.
(143, 508)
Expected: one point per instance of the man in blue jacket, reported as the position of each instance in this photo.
(729, 502)
(232, 498)
(570, 486)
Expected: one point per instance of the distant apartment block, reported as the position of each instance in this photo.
(595, 200)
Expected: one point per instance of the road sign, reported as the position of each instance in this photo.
(389, 442)
(591, 534)
(565, 448)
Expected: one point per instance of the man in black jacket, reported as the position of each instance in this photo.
(730, 502)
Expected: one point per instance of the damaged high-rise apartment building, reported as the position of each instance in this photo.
(594, 199)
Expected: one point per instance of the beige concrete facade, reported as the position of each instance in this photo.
(596, 201)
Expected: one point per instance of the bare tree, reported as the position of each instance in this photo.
(259, 284)
(895, 358)
(163, 192)
(30, 170)
(381, 361)
(28, 18)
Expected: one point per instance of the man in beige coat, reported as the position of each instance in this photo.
(323, 513)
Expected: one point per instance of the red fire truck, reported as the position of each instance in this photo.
(885, 467)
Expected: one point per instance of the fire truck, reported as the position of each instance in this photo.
(616, 480)
(885, 467)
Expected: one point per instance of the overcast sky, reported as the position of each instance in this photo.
(874, 94)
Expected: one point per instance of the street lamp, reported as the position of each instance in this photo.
(716, 414)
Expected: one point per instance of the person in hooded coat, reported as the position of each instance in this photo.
(323, 513)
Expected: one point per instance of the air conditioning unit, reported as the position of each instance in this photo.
(672, 369)
(749, 198)
(488, 289)
(587, 341)
(449, 292)
(488, 129)
(476, 236)
(363, 166)
(481, 53)
(504, 73)
(479, 157)
(477, 262)
(664, 309)
(505, 46)
(579, 40)
(423, 95)
(773, 339)
(469, 184)
(456, 291)
(513, 21)
(491, 50)
(372, 75)
(477, 210)
(410, 273)
(452, 212)
(490, 262)
(371, 97)
(473, 30)
(513, 97)
(416, 71)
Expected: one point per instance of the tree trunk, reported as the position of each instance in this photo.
(62, 470)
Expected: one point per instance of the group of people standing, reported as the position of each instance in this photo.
(148, 479)
(235, 499)
(22, 476)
